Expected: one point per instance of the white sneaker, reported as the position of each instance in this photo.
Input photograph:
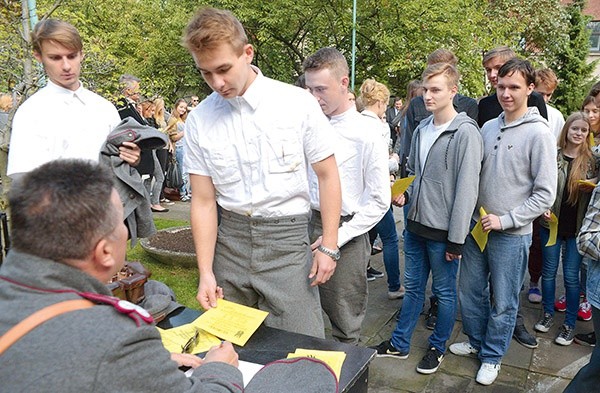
(487, 373)
(463, 349)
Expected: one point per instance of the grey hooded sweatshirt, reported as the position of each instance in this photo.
(444, 192)
(519, 175)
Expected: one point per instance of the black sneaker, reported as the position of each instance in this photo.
(431, 317)
(524, 338)
(587, 339)
(566, 335)
(430, 362)
(373, 274)
(387, 350)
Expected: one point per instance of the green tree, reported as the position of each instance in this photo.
(570, 63)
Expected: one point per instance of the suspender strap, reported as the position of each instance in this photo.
(39, 317)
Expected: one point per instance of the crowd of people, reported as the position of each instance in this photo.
(291, 188)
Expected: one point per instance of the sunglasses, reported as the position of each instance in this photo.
(191, 343)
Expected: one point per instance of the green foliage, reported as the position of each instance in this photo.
(142, 37)
(569, 64)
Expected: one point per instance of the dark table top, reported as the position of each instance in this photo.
(269, 344)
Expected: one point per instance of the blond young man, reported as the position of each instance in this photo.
(545, 84)
(446, 159)
(363, 166)
(247, 146)
(63, 119)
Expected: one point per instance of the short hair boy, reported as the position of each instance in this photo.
(446, 159)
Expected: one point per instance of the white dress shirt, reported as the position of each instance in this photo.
(362, 161)
(556, 120)
(256, 148)
(59, 123)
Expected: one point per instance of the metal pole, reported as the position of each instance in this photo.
(353, 45)
(33, 19)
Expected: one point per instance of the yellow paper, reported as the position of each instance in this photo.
(174, 339)
(480, 236)
(230, 321)
(587, 182)
(401, 185)
(334, 359)
(553, 223)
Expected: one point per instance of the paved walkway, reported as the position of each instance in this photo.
(547, 368)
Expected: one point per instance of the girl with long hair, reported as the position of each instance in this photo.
(576, 163)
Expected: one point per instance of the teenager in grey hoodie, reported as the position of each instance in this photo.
(445, 157)
(517, 184)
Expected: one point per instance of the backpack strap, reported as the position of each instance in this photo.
(39, 317)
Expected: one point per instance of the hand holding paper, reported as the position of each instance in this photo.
(553, 223)
(401, 185)
(480, 236)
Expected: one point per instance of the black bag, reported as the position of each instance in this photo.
(173, 177)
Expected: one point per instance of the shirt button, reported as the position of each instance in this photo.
(496, 147)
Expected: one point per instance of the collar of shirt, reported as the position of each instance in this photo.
(69, 96)
(337, 118)
(252, 94)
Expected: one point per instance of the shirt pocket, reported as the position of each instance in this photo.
(223, 167)
(284, 152)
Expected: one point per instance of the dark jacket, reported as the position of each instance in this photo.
(490, 108)
(129, 183)
(444, 193)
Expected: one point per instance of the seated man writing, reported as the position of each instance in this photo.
(68, 240)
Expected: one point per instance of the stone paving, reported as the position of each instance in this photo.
(547, 368)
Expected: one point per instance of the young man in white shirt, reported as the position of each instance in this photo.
(363, 166)
(545, 84)
(247, 149)
(63, 119)
(446, 159)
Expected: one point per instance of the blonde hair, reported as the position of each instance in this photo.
(327, 58)
(372, 92)
(581, 163)
(503, 52)
(159, 113)
(210, 28)
(452, 75)
(546, 77)
(57, 31)
(6, 102)
(442, 56)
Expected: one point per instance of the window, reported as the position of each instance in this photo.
(595, 36)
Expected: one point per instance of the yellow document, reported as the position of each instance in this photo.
(230, 321)
(334, 359)
(175, 339)
(553, 223)
(401, 185)
(587, 183)
(480, 236)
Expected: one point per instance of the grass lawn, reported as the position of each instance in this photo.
(183, 281)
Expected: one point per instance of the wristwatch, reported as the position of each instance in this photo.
(333, 254)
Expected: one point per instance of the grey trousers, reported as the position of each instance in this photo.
(344, 296)
(265, 263)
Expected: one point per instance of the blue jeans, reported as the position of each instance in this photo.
(489, 325)
(422, 256)
(571, 261)
(185, 188)
(386, 228)
(588, 378)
